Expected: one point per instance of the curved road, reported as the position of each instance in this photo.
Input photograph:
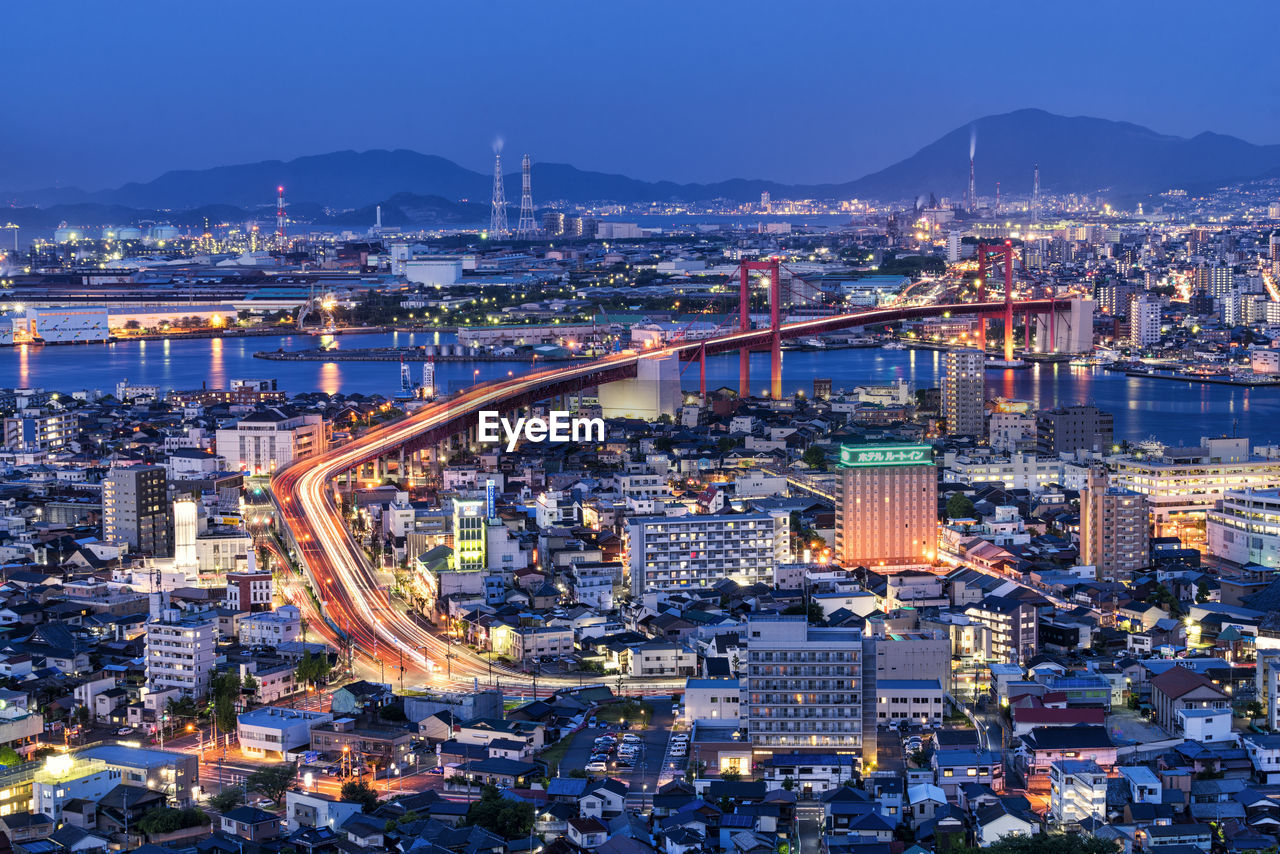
(348, 586)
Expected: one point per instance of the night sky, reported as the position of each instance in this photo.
(97, 94)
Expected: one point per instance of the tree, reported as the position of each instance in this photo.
(9, 757)
(224, 693)
(1254, 710)
(273, 781)
(730, 777)
(359, 792)
(249, 686)
(166, 820)
(1053, 843)
(788, 783)
(225, 801)
(1202, 591)
(814, 457)
(959, 506)
(82, 715)
(507, 818)
(811, 609)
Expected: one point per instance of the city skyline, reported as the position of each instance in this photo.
(262, 85)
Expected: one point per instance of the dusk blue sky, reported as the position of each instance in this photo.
(98, 93)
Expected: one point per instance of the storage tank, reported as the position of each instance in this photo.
(66, 234)
(109, 232)
(163, 232)
(128, 233)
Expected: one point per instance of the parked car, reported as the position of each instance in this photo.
(597, 768)
(631, 738)
(125, 730)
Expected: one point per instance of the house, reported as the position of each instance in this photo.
(358, 697)
(1264, 755)
(1001, 820)
(312, 809)
(605, 799)
(587, 833)
(954, 767)
(1205, 725)
(1199, 835)
(1179, 688)
(924, 801)
(250, 823)
(365, 831)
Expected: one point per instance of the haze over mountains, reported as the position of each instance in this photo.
(1075, 155)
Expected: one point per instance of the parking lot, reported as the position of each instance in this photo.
(653, 746)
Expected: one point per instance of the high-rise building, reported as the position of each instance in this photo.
(1068, 429)
(135, 509)
(1144, 321)
(1115, 533)
(963, 392)
(804, 688)
(181, 651)
(469, 536)
(671, 553)
(887, 505)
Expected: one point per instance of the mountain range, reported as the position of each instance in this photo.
(1075, 155)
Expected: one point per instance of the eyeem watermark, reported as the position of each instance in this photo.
(560, 427)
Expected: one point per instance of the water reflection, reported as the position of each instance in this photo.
(330, 378)
(217, 370)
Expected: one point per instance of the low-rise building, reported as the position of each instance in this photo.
(1077, 790)
(273, 731)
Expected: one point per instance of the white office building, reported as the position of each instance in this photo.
(671, 553)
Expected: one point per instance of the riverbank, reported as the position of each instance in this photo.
(1210, 379)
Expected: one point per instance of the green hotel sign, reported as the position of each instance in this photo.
(866, 456)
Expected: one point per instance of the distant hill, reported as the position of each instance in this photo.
(1076, 154)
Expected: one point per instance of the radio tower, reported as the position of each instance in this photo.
(498, 213)
(280, 217)
(1035, 196)
(525, 229)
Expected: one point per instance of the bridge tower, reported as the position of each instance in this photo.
(997, 253)
(773, 269)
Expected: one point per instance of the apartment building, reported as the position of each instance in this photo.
(269, 439)
(136, 509)
(804, 687)
(963, 392)
(40, 430)
(1115, 529)
(671, 553)
(249, 591)
(271, 628)
(1077, 790)
(181, 651)
(1014, 625)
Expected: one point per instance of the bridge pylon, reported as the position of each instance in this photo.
(773, 268)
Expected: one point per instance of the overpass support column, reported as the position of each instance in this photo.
(744, 324)
(1027, 321)
(775, 331)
